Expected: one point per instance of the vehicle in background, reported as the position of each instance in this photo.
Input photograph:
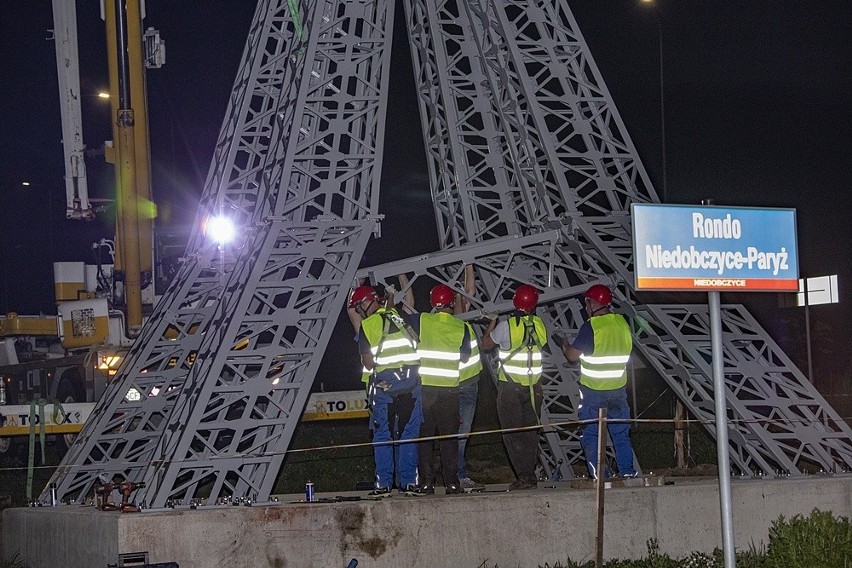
(69, 358)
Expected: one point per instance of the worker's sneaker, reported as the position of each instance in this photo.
(628, 475)
(468, 485)
(454, 490)
(418, 491)
(379, 493)
(522, 484)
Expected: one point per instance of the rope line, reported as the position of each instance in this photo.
(543, 427)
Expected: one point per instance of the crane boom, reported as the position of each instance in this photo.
(77, 205)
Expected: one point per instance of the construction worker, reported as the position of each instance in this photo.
(387, 342)
(603, 346)
(444, 345)
(468, 393)
(468, 386)
(520, 337)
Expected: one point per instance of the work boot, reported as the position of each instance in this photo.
(418, 491)
(454, 490)
(379, 493)
(468, 485)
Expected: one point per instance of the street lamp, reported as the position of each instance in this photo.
(662, 91)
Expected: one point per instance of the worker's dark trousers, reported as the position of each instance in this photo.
(515, 410)
(440, 416)
(468, 392)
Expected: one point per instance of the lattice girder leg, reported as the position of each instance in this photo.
(278, 165)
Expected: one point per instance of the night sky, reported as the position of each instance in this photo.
(758, 112)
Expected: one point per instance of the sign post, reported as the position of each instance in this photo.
(720, 409)
(708, 248)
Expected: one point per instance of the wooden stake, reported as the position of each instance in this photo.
(680, 414)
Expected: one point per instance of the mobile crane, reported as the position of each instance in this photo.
(532, 176)
(69, 358)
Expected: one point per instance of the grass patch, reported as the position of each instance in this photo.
(820, 540)
(13, 472)
(654, 446)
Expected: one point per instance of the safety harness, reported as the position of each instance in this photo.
(529, 341)
(392, 322)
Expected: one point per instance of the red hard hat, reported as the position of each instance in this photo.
(526, 298)
(600, 294)
(362, 293)
(442, 296)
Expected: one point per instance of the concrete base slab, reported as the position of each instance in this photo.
(507, 529)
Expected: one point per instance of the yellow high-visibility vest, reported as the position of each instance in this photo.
(390, 344)
(473, 366)
(441, 336)
(606, 367)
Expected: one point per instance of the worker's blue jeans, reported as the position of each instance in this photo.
(396, 416)
(468, 391)
(615, 402)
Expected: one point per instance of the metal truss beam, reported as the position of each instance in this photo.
(778, 423)
(227, 360)
(522, 134)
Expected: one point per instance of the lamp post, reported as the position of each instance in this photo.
(662, 93)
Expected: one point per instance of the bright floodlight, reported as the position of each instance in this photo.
(220, 229)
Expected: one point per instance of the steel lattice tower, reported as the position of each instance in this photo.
(532, 175)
